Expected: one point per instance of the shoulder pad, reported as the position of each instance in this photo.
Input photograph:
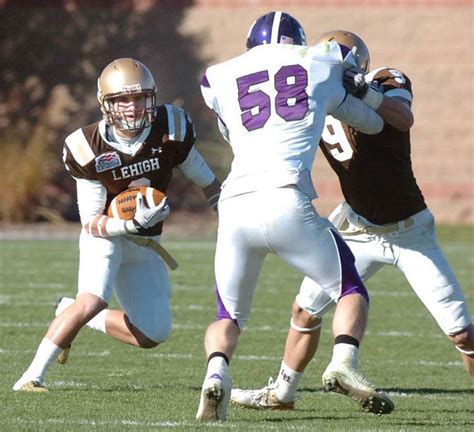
(79, 147)
(177, 123)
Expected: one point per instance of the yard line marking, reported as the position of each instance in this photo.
(173, 356)
(257, 358)
(189, 356)
(140, 423)
(265, 328)
(23, 324)
(434, 396)
(425, 363)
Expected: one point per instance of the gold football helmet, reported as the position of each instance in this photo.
(122, 77)
(348, 40)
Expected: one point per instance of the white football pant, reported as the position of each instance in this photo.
(414, 250)
(284, 222)
(135, 273)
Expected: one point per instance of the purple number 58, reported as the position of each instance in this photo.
(291, 101)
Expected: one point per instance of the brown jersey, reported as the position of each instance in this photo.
(89, 155)
(375, 171)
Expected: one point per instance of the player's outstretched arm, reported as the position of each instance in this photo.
(394, 111)
(357, 114)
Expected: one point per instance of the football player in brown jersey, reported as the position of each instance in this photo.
(137, 143)
(388, 223)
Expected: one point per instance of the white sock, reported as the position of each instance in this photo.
(46, 354)
(98, 322)
(63, 304)
(217, 365)
(347, 354)
(287, 383)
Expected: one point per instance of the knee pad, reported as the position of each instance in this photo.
(465, 339)
(465, 352)
(313, 299)
(305, 329)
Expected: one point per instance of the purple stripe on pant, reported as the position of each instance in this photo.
(221, 310)
(350, 280)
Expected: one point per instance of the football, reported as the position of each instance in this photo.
(123, 206)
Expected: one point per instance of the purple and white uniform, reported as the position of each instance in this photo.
(271, 103)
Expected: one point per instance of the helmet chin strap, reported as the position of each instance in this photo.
(127, 135)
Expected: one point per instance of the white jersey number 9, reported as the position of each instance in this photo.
(336, 140)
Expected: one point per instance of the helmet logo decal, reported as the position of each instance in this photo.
(286, 40)
(135, 88)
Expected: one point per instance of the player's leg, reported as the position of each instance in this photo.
(300, 347)
(434, 282)
(464, 343)
(343, 374)
(324, 257)
(237, 266)
(99, 261)
(143, 292)
(61, 332)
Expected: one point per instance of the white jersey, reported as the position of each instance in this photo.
(273, 101)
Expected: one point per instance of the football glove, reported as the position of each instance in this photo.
(354, 82)
(145, 217)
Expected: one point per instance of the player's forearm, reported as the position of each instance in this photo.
(212, 193)
(359, 115)
(396, 113)
(105, 226)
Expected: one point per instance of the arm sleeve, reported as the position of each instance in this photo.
(358, 115)
(196, 169)
(91, 199)
(187, 137)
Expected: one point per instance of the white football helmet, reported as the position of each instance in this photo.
(347, 40)
(126, 76)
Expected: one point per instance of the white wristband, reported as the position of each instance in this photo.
(130, 227)
(105, 226)
(373, 99)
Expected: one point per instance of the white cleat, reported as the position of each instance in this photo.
(34, 386)
(215, 398)
(264, 399)
(350, 382)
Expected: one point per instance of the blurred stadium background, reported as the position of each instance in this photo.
(52, 52)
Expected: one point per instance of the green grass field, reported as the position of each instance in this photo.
(108, 386)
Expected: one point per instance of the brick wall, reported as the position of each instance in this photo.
(431, 44)
(273, 4)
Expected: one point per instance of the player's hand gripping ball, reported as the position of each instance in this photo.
(123, 206)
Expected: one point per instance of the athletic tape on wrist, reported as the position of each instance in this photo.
(373, 99)
(304, 329)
